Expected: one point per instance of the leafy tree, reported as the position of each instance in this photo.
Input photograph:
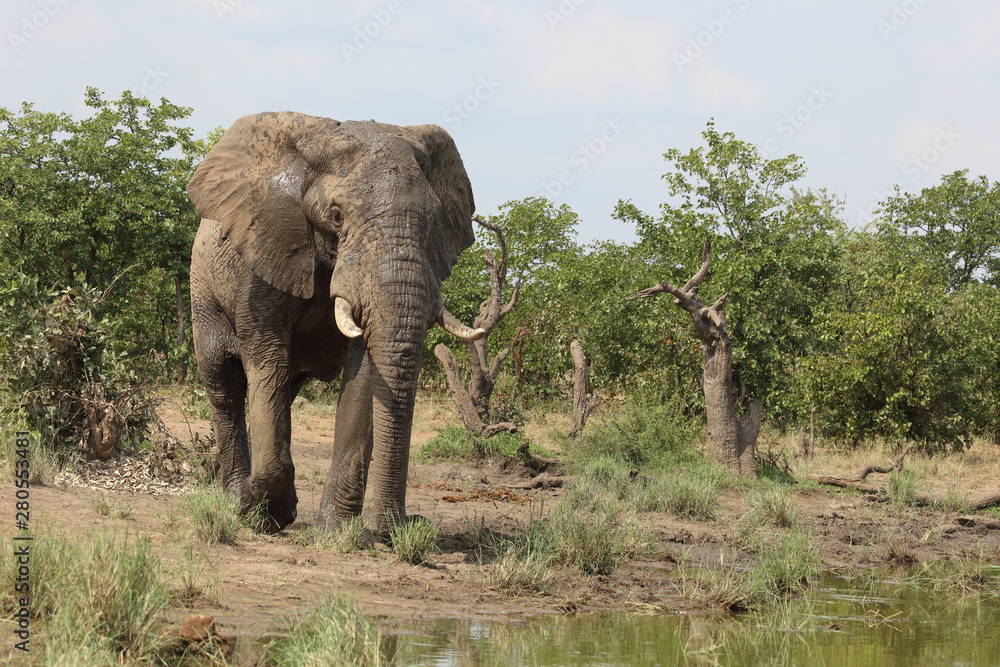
(954, 225)
(902, 356)
(102, 198)
(908, 350)
(774, 253)
(539, 237)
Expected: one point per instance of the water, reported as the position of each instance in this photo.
(886, 625)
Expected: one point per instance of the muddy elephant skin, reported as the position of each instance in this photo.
(321, 251)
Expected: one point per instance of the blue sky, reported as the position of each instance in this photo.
(573, 99)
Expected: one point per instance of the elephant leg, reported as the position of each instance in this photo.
(226, 386)
(344, 493)
(272, 474)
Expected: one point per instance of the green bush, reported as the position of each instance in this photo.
(56, 360)
(644, 432)
(599, 540)
(335, 634)
(412, 540)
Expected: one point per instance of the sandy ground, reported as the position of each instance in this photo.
(249, 585)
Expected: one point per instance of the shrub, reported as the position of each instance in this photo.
(71, 388)
(412, 540)
(216, 518)
(643, 433)
(336, 633)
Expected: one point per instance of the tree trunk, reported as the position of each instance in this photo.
(581, 407)
(181, 357)
(732, 438)
(812, 431)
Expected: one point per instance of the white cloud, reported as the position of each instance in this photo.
(598, 56)
(714, 87)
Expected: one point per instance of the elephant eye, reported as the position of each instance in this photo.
(331, 219)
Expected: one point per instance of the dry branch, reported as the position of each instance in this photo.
(472, 401)
(858, 480)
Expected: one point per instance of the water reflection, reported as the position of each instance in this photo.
(885, 624)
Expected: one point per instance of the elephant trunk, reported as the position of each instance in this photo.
(375, 413)
(395, 343)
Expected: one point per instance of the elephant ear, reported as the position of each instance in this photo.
(253, 182)
(452, 232)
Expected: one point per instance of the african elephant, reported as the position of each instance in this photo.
(321, 250)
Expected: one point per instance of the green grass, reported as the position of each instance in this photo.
(778, 572)
(412, 540)
(215, 516)
(44, 462)
(688, 495)
(901, 488)
(599, 540)
(115, 508)
(101, 598)
(773, 505)
(973, 574)
(521, 562)
(954, 501)
(351, 536)
(519, 570)
(454, 443)
(335, 634)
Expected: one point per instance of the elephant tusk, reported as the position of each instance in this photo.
(451, 324)
(345, 320)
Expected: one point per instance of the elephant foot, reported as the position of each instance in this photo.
(269, 510)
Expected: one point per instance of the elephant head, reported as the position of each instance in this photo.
(387, 210)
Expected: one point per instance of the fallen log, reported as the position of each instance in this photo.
(858, 480)
(984, 501)
(545, 481)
